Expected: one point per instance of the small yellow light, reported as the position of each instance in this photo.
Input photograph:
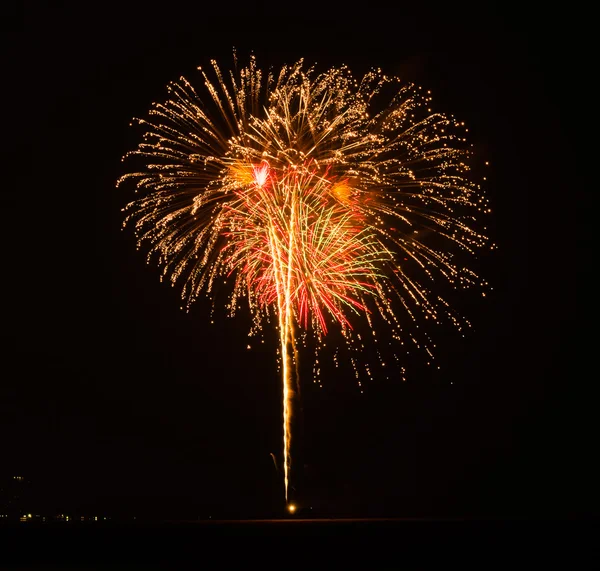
(291, 508)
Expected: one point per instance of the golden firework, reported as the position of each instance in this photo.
(324, 204)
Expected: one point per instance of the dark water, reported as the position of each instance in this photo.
(301, 544)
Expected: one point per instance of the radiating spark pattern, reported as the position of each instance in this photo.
(323, 205)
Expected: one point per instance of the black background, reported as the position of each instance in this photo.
(114, 401)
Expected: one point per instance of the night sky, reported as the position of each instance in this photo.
(113, 400)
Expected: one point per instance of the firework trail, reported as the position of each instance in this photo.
(321, 204)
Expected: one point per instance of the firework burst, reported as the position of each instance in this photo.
(324, 206)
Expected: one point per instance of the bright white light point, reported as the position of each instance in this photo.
(261, 173)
